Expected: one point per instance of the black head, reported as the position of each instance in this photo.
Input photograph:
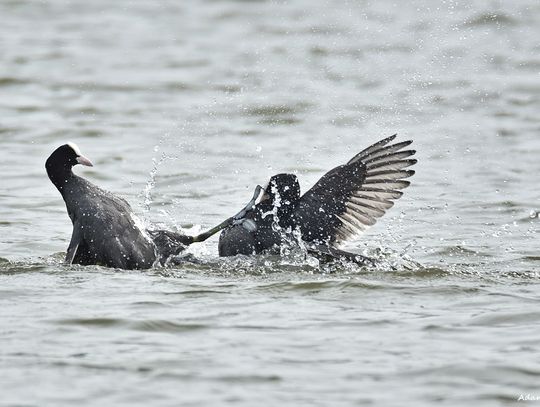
(283, 190)
(61, 161)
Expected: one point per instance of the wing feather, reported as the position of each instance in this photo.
(386, 184)
(391, 174)
(365, 200)
(350, 198)
(388, 157)
(392, 165)
(347, 226)
(359, 216)
(378, 193)
(364, 208)
(371, 149)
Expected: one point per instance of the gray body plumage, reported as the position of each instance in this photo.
(104, 230)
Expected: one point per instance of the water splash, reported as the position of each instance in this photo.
(292, 243)
(151, 183)
(275, 208)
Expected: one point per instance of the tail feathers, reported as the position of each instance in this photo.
(169, 243)
(328, 253)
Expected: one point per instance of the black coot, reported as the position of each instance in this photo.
(105, 229)
(339, 207)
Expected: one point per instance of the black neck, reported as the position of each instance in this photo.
(59, 174)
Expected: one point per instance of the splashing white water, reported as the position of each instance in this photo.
(151, 183)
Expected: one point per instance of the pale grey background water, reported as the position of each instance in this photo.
(210, 98)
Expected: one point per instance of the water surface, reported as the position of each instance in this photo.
(184, 107)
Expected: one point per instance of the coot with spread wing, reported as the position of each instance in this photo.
(339, 207)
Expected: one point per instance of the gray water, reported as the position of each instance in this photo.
(184, 107)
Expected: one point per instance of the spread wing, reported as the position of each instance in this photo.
(350, 198)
